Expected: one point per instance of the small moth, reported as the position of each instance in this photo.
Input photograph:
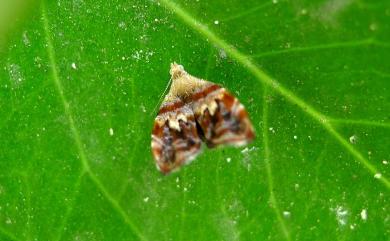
(193, 111)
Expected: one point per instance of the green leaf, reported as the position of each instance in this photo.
(80, 82)
(11, 14)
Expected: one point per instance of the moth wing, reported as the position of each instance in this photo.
(222, 119)
(175, 140)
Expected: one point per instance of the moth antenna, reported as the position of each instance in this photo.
(161, 96)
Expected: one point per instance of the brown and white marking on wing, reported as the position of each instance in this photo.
(196, 109)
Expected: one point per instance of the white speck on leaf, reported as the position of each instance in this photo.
(137, 55)
(122, 25)
(74, 66)
(111, 131)
(304, 11)
(15, 73)
(363, 214)
(38, 62)
(222, 54)
(341, 215)
(216, 22)
(271, 129)
(295, 137)
(378, 175)
(146, 199)
(248, 153)
(373, 27)
(142, 55)
(143, 108)
(331, 10)
(286, 214)
(26, 40)
(8, 221)
(227, 228)
(385, 162)
(228, 159)
(353, 139)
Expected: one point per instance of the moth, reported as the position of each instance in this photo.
(196, 110)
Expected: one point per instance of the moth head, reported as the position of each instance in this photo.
(177, 70)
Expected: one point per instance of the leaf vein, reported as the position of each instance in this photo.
(267, 154)
(75, 133)
(336, 45)
(247, 12)
(69, 208)
(361, 122)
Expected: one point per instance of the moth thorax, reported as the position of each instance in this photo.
(184, 86)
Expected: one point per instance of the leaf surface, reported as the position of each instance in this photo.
(80, 82)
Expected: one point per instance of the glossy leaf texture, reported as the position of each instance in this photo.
(80, 81)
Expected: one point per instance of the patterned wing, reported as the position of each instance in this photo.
(175, 139)
(221, 117)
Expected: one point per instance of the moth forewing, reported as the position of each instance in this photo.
(175, 140)
(223, 119)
